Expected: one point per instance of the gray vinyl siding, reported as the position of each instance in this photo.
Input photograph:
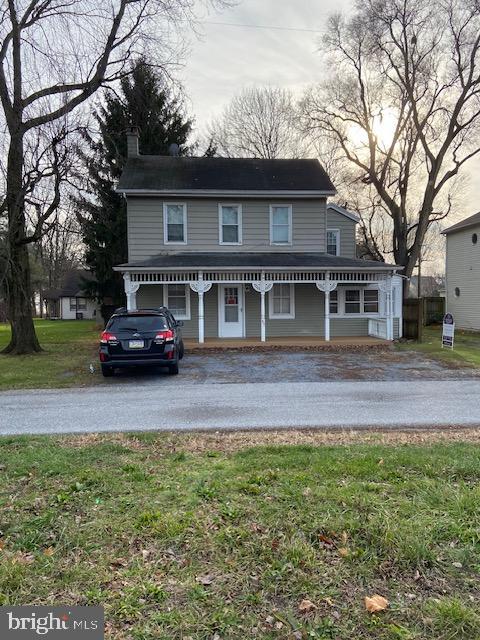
(463, 271)
(151, 295)
(309, 314)
(145, 226)
(347, 229)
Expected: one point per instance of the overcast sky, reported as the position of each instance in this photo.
(224, 58)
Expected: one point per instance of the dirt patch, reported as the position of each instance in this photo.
(229, 442)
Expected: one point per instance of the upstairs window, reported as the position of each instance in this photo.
(281, 301)
(280, 224)
(175, 223)
(333, 242)
(230, 223)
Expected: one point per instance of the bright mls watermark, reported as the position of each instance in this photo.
(58, 623)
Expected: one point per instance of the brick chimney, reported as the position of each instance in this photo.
(132, 141)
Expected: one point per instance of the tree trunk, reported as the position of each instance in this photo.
(19, 295)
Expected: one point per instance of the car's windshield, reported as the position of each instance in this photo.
(137, 323)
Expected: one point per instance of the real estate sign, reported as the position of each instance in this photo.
(448, 331)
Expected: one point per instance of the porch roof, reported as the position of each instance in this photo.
(245, 260)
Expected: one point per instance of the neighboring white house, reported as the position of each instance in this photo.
(463, 272)
(70, 301)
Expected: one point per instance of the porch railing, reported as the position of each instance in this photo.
(378, 328)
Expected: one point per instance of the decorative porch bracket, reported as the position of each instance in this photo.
(262, 286)
(386, 287)
(131, 289)
(327, 286)
(201, 287)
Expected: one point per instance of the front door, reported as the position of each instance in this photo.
(230, 311)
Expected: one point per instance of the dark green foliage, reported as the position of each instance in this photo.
(146, 101)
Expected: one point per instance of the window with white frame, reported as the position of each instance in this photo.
(357, 301)
(175, 223)
(280, 224)
(334, 301)
(370, 301)
(282, 302)
(78, 304)
(230, 223)
(333, 242)
(177, 299)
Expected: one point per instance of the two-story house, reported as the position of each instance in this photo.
(463, 272)
(241, 247)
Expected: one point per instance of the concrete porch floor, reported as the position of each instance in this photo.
(307, 343)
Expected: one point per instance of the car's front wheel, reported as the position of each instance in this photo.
(107, 372)
(173, 369)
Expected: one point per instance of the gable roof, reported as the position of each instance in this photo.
(344, 212)
(204, 176)
(464, 224)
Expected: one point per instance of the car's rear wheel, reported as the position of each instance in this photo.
(107, 372)
(181, 351)
(173, 369)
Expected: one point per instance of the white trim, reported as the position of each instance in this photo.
(241, 307)
(239, 223)
(165, 222)
(207, 193)
(337, 242)
(344, 212)
(188, 315)
(281, 316)
(290, 225)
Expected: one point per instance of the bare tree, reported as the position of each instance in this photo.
(260, 122)
(54, 55)
(403, 105)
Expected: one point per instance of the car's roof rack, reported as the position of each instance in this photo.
(125, 310)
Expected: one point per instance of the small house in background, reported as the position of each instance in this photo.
(71, 301)
(463, 272)
(430, 287)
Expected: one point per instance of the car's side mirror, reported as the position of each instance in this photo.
(179, 323)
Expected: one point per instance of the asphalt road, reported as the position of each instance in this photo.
(241, 406)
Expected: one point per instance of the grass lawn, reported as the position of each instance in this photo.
(183, 541)
(466, 349)
(69, 347)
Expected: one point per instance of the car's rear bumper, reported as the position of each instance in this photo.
(138, 362)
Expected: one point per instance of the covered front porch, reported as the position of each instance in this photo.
(275, 305)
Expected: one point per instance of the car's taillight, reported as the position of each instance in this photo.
(164, 336)
(107, 337)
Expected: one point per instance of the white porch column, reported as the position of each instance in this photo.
(262, 287)
(131, 289)
(201, 287)
(386, 287)
(327, 286)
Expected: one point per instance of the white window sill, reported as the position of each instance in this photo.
(281, 317)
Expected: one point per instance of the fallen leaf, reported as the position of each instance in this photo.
(307, 491)
(205, 580)
(278, 625)
(306, 606)
(417, 575)
(24, 558)
(325, 539)
(344, 537)
(457, 565)
(49, 551)
(2, 544)
(375, 603)
(145, 553)
(380, 461)
(270, 620)
(344, 552)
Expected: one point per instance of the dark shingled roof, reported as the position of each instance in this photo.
(167, 173)
(72, 286)
(242, 260)
(464, 224)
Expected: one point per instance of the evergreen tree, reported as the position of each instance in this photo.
(146, 101)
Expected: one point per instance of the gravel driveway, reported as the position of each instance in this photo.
(307, 366)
